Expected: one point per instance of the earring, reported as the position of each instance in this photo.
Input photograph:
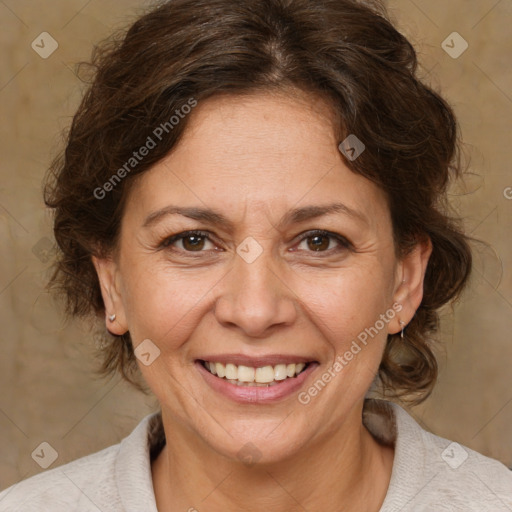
(112, 317)
(402, 323)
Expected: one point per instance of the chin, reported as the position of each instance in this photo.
(265, 443)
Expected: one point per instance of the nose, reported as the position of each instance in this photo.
(254, 298)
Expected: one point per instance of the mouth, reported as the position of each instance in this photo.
(261, 376)
(256, 380)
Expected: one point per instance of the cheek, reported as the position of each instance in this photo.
(344, 303)
(164, 304)
(167, 304)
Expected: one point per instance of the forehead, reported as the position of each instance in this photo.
(254, 152)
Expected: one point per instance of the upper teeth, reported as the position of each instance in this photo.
(262, 375)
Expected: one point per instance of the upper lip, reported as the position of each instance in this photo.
(256, 361)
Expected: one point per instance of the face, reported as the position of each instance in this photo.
(252, 245)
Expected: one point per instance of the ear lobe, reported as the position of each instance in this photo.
(409, 293)
(109, 279)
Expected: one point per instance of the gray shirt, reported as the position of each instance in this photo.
(430, 474)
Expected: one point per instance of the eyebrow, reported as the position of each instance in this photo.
(295, 216)
(202, 214)
(298, 215)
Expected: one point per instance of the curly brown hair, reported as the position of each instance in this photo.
(346, 51)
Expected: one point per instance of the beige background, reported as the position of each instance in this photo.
(48, 389)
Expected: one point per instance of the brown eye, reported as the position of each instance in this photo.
(323, 241)
(193, 242)
(189, 241)
(318, 242)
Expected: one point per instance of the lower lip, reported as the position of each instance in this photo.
(256, 394)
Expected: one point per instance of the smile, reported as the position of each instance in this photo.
(240, 375)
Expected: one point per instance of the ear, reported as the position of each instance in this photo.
(409, 288)
(110, 284)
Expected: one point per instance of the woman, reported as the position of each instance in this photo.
(252, 197)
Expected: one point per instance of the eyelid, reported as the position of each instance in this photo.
(166, 242)
(343, 241)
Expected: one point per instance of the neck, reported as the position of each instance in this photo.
(347, 470)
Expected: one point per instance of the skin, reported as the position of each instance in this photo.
(253, 159)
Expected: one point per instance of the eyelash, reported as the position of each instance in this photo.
(342, 241)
